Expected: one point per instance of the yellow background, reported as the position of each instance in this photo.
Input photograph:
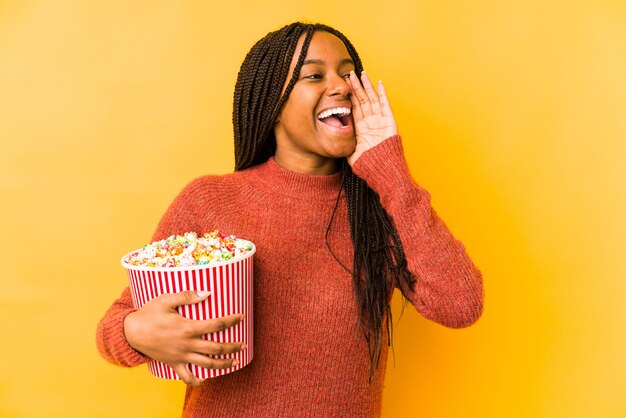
(513, 116)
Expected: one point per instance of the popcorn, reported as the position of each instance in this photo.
(189, 250)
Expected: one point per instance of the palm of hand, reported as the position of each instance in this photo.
(372, 115)
(371, 131)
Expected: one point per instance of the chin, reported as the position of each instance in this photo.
(343, 151)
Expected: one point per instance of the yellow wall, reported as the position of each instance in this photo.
(513, 115)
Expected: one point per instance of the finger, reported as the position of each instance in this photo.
(371, 93)
(212, 363)
(361, 94)
(214, 348)
(385, 107)
(357, 113)
(186, 376)
(187, 297)
(208, 326)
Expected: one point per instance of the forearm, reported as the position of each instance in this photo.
(449, 287)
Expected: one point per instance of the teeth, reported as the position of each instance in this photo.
(340, 111)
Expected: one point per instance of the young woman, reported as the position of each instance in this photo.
(322, 188)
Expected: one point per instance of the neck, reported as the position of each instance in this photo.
(305, 164)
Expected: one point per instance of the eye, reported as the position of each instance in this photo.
(346, 76)
(313, 76)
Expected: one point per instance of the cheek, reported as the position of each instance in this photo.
(297, 119)
(298, 113)
(302, 102)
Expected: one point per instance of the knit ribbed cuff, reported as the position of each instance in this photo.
(130, 356)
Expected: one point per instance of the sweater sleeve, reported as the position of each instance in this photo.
(449, 287)
(110, 337)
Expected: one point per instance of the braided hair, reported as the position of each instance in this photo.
(379, 259)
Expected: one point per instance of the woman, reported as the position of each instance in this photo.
(323, 190)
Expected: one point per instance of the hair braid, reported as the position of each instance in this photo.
(379, 261)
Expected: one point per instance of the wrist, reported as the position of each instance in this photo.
(130, 330)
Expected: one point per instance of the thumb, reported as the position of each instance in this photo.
(186, 297)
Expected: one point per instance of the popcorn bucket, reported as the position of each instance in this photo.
(231, 285)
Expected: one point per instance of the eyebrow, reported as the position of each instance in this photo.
(321, 62)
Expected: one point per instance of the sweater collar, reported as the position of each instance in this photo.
(298, 185)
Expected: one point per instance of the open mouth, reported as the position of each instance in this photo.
(338, 117)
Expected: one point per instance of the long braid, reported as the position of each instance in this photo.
(379, 260)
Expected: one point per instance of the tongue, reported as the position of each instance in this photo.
(333, 121)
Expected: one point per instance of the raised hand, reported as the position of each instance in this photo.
(372, 115)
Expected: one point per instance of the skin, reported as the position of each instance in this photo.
(303, 144)
(326, 80)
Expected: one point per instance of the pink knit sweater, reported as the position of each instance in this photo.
(311, 358)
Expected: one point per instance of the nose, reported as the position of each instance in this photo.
(338, 85)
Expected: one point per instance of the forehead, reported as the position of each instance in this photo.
(324, 46)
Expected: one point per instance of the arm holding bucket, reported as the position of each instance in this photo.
(129, 337)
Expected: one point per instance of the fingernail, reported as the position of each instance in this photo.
(243, 316)
(235, 362)
(203, 293)
(362, 72)
(244, 346)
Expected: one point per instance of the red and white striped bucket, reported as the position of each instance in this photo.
(231, 285)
